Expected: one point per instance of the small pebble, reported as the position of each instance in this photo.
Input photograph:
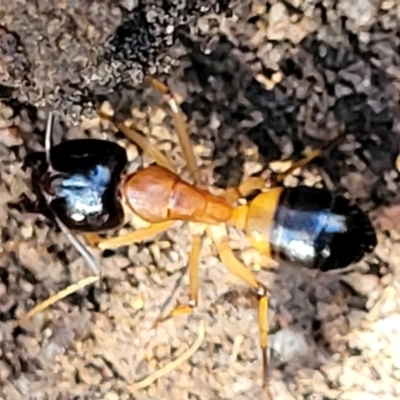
(289, 344)
(279, 76)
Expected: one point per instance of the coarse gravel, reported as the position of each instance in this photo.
(259, 82)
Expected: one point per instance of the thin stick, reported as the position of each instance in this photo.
(173, 364)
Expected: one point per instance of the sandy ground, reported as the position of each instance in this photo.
(258, 82)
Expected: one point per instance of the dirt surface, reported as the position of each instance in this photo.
(258, 82)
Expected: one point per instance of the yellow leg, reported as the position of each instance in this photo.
(141, 141)
(298, 164)
(311, 155)
(180, 126)
(193, 283)
(94, 239)
(238, 269)
(247, 187)
(133, 237)
(57, 297)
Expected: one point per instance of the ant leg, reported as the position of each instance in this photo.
(193, 284)
(62, 294)
(310, 155)
(129, 238)
(180, 127)
(238, 269)
(141, 141)
(92, 238)
(253, 184)
(95, 240)
(247, 187)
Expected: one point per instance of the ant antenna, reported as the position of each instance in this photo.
(75, 242)
(47, 138)
(78, 245)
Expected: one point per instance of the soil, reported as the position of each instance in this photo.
(259, 83)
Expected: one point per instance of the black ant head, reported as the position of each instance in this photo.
(79, 181)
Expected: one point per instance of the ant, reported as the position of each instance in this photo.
(83, 185)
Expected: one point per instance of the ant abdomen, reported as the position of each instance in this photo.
(320, 230)
(313, 228)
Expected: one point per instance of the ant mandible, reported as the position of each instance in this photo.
(83, 185)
